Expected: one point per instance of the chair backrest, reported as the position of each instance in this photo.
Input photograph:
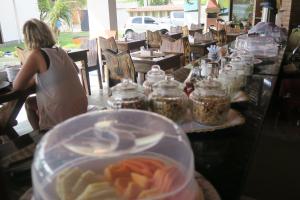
(154, 39)
(92, 54)
(196, 26)
(170, 45)
(185, 31)
(176, 29)
(182, 45)
(136, 36)
(198, 37)
(119, 66)
(109, 43)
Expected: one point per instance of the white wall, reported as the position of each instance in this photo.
(102, 16)
(26, 9)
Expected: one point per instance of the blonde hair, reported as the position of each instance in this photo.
(37, 34)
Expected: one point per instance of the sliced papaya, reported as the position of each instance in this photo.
(138, 167)
(121, 184)
(142, 181)
(148, 193)
(114, 171)
(132, 191)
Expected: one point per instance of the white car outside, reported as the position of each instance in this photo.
(141, 24)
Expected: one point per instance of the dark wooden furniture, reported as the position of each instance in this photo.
(93, 58)
(174, 35)
(130, 45)
(81, 55)
(143, 65)
(15, 101)
(193, 31)
(200, 49)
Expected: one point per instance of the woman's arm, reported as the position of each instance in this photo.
(32, 65)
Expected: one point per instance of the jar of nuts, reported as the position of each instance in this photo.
(127, 95)
(153, 76)
(210, 103)
(168, 99)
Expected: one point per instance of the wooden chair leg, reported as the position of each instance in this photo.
(85, 81)
(99, 78)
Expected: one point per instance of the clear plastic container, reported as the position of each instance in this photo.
(210, 103)
(259, 46)
(169, 99)
(153, 76)
(114, 154)
(127, 95)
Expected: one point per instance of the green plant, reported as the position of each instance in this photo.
(60, 11)
(1, 53)
(44, 7)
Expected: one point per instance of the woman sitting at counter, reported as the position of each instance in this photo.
(59, 93)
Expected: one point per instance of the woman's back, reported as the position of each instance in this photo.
(60, 94)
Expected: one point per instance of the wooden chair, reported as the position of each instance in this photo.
(176, 29)
(196, 26)
(93, 59)
(198, 37)
(106, 44)
(185, 31)
(153, 39)
(119, 66)
(12, 104)
(182, 45)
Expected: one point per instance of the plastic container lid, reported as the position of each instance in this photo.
(168, 88)
(114, 154)
(153, 76)
(208, 88)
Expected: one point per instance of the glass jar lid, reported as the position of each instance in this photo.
(208, 88)
(168, 87)
(155, 74)
(126, 90)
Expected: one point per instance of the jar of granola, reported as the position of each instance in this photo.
(127, 95)
(168, 99)
(210, 103)
(153, 76)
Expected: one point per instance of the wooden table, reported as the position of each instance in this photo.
(200, 49)
(18, 98)
(193, 31)
(81, 55)
(130, 45)
(143, 65)
(175, 36)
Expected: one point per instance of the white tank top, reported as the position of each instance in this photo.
(60, 94)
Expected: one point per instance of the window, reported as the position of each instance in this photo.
(137, 20)
(178, 15)
(148, 20)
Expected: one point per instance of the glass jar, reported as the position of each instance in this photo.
(241, 66)
(210, 103)
(127, 95)
(153, 76)
(168, 99)
(231, 81)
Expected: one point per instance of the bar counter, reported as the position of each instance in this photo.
(224, 156)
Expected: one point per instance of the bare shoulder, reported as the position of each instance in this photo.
(36, 59)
